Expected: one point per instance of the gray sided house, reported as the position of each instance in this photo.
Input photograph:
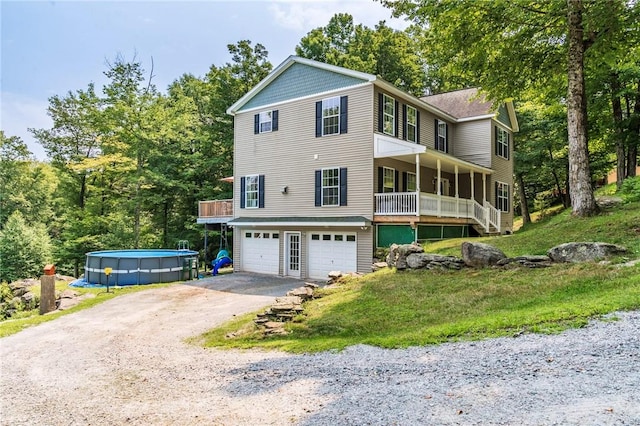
(330, 163)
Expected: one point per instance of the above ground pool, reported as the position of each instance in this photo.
(131, 267)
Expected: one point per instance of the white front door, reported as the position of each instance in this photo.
(292, 257)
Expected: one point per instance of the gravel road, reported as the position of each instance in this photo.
(125, 362)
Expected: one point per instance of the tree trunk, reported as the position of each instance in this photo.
(616, 105)
(524, 207)
(632, 153)
(582, 199)
(561, 195)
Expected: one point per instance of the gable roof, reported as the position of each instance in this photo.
(469, 104)
(306, 77)
(461, 103)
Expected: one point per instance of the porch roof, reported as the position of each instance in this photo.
(390, 147)
(341, 221)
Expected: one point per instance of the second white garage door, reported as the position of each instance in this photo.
(260, 251)
(332, 252)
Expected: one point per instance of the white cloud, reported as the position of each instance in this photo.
(300, 15)
(19, 113)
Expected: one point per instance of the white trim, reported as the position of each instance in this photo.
(476, 118)
(280, 224)
(388, 146)
(325, 94)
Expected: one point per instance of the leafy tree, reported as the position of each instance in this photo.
(506, 47)
(26, 185)
(391, 54)
(24, 249)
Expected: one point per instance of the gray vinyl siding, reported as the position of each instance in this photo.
(297, 81)
(474, 142)
(503, 172)
(289, 157)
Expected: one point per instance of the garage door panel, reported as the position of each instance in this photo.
(330, 252)
(260, 252)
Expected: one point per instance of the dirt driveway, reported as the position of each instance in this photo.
(125, 362)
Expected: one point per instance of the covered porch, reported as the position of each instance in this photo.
(440, 188)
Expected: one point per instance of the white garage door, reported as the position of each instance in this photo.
(332, 252)
(260, 251)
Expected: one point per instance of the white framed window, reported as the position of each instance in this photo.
(388, 115)
(411, 182)
(502, 196)
(441, 140)
(265, 121)
(331, 116)
(251, 191)
(412, 124)
(388, 179)
(502, 143)
(331, 187)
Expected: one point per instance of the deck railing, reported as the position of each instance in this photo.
(406, 204)
(215, 208)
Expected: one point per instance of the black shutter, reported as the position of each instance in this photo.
(497, 200)
(508, 206)
(343, 114)
(242, 194)
(274, 120)
(435, 126)
(318, 188)
(318, 119)
(396, 183)
(380, 179)
(495, 137)
(380, 113)
(261, 191)
(446, 137)
(397, 118)
(256, 124)
(343, 186)
(508, 145)
(404, 181)
(404, 122)
(417, 126)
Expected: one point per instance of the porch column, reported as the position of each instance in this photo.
(417, 184)
(473, 195)
(484, 188)
(457, 201)
(438, 188)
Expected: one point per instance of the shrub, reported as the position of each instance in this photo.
(24, 249)
(630, 190)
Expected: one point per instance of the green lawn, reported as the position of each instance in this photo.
(399, 309)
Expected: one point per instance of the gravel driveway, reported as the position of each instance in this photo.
(125, 362)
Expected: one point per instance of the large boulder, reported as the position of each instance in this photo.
(398, 254)
(432, 261)
(584, 252)
(479, 255)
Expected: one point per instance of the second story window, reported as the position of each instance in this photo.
(331, 187)
(388, 115)
(265, 122)
(388, 180)
(412, 124)
(410, 184)
(502, 196)
(252, 192)
(442, 137)
(331, 116)
(502, 143)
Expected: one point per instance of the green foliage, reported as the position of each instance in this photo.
(391, 54)
(25, 249)
(630, 190)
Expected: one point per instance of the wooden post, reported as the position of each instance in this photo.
(47, 294)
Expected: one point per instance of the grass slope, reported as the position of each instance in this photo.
(398, 309)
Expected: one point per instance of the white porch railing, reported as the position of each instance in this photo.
(406, 204)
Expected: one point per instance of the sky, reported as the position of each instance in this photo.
(53, 47)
